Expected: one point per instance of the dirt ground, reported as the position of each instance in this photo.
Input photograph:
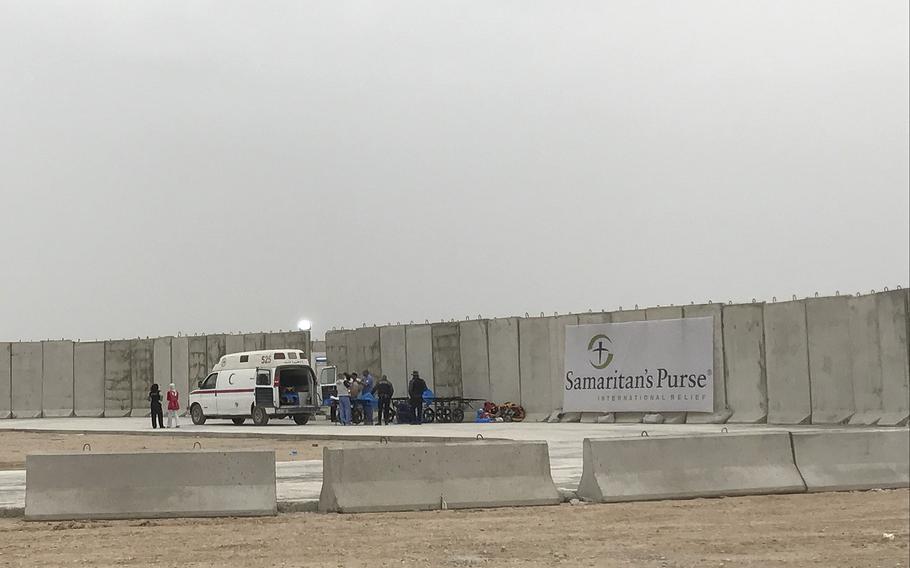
(15, 445)
(828, 529)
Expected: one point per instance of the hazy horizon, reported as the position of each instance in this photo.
(235, 166)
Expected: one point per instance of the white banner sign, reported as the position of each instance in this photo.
(661, 365)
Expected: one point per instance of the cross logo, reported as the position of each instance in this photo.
(603, 355)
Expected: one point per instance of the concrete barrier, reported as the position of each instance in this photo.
(150, 485)
(557, 373)
(685, 467)
(216, 348)
(787, 363)
(6, 401)
(412, 477)
(446, 359)
(830, 365)
(88, 379)
(865, 357)
(505, 384)
(336, 349)
(232, 344)
(180, 369)
(534, 366)
(253, 342)
(720, 414)
(475, 359)
(849, 460)
(744, 354)
(419, 352)
(26, 369)
(57, 381)
(142, 375)
(198, 360)
(893, 330)
(393, 356)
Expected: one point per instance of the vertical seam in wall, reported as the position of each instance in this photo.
(518, 350)
(41, 412)
(763, 362)
(793, 456)
(724, 371)
(73, 410)
(808, 359)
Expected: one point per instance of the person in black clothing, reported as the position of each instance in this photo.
(415, 396)
(155, 401)
(384, 392)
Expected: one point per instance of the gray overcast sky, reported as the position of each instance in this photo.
(216, 166)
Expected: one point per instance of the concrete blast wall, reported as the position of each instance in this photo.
(57, 390)
(505, 382)
(446, 359)
(558, 357)
(364, 351)
(720, 413)
(744, 350)
(88, 379)
(336, 349)
(6, 385)
(830, 365)
(198, 358)
(534, 366)
(27, 365)
(893, 326)
(235, 344)
(150, 485)
(253, 342)
(419, 349)
(142, 374)
(215, 349)
(180, 369)
(865, 359)
(787, 363)
(475, 359)
(411, 477)
(162, 370)
(392, 353)
(687, 467)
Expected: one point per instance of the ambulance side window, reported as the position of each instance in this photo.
(262, 379)
(209, 382)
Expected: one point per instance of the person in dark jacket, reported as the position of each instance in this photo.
(155, 402)
(415, 394)
(384, 392)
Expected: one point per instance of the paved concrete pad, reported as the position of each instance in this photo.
(744, 352)
(830, 366)
(26, 366)
(410, 477)
(88, 379)
(787, 363)
(505, 381)
(6, 400)
(851, 460)
(686, 467)
(150, 485)
(57, 381)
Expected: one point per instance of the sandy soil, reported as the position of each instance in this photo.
(830, 529)
(15, 445)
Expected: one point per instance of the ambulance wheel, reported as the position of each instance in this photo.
(197, 415)
(429, 416)
(457, 415)
(260, 416)
(301, 419)
(238, 421)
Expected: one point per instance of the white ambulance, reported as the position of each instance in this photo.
(277, 383)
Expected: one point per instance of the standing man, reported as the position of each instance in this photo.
(367, 395)
(415, 396)
(385, 391)
(344, 399)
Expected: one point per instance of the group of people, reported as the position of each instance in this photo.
(350, 387)
(173, 405)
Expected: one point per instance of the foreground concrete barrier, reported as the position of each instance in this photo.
(149, 485)
(684, 467)
(847, 460)
(409, 477)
